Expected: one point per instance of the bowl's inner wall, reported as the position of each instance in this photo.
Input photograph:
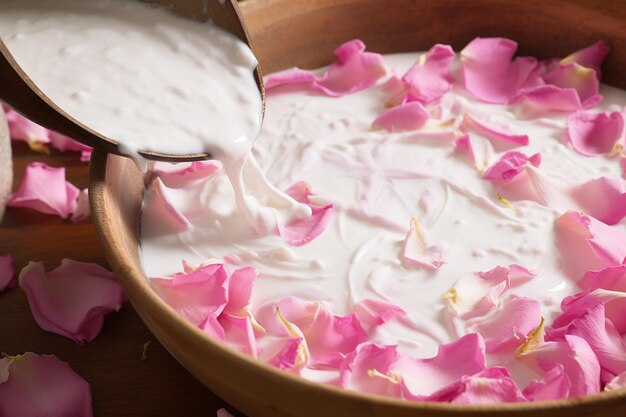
(304, 34)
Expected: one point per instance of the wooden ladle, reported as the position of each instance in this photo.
(21, 93)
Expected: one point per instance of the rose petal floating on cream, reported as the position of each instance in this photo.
(159, 208)
(510, 165)
(354, 70)
(474, 295)
(499, 135)
(554, 385)
(72, 299)
(417, 253)
(583, 80)
(45, 189)
(7, 274)
(408, 116)
(491, 386)
(591, 57)
(594, 133)
(34, 385)
(491, 73)
(302, 231)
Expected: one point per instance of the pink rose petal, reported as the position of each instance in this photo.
(491, 74)
(240, 287)
(491, 386)
(42, 386)
(294, 310)
(408, 116)
(548, 97)
(520, 275)
(289, 355)
(376, 312)
(610, 278)
(417, 253)
(330, 336)
(430, 379)
(587, 244)
(592, 134)
(603, 198)
(499, 136)
(429, 79)
(83, 210)
(22, 129)
(508, 325)
(7, 274)
(554, 386)
(353, 71)
(223, 413)
(63, 143)
(591, 56)
(195, 295)
(72, 299)
(463, 146)
(603, 338)
(160, 210)
(618, 382)
(301, 232)
(45, 189)
(574, 76)
(510, 165)
(576, 305)
(474, 295)
(579, 362)
(368, 369)
(179, 175)
(238, 333)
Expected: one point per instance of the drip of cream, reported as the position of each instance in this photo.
(151, 81)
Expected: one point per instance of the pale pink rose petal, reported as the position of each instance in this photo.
(610, 278)
(7, 273)
(368, 369)
(417, 253)
(500, 136)
(353, 71)
(179, 175)
(430, 379)
(491, 386)
(429, 79)
(376, 312)
(583, 80)
(45, 189)
(240, 287)
(238, 333)
(623, 164)
(72, 299)
(211, 326)
(576, 305)
(519, 275)
(507, 325)
(579, 362)
(330, 336)
(301, 232)
(300, 191)
(63, 143)
(83, 211)
(491, 74)
(592, 56)
(195, 295)
(586, 244)
(42, 386)
(603, 198)
(294, 310)
(290, 355)
(159, 209)
(592, 134)
(618, 382)
(475, 294)
(408, 116)
(222, 412)
(510, 165)
(602, 337)
(554, 385)
(85, 156)
(542, 98)
(22, 129)
(463, 146)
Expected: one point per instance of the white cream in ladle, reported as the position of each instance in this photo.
(149, 80)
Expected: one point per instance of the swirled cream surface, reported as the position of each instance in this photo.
(383, 185)
(140, 75)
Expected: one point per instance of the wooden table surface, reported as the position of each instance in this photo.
(121, 383)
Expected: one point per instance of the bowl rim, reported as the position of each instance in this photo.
(136, 284)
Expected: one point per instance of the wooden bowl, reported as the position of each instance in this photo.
(288, 33)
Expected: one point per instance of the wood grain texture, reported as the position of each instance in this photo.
(122, 384)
